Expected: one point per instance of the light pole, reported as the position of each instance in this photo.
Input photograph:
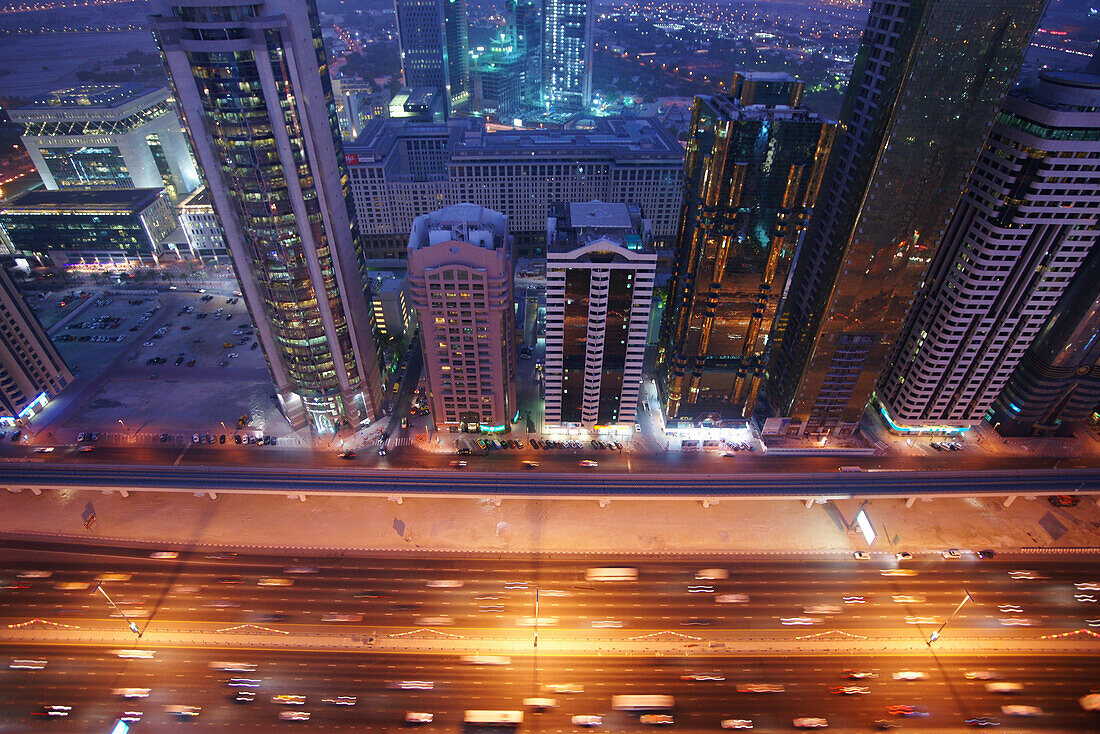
(936, 635)
(125, 428)
(130, 623)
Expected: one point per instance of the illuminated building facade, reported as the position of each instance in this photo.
(31, 369)
(1027, 221)
(435, 49)
(927, 84)
(106, 226)
(1057, 382)
(110, 136)
(400, 171)
(252, 81)
(201, 228)
(525, 21)
(751, 175)
(460, 284)
(600, 266)
(567, 53)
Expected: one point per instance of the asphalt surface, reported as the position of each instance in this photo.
(85, 678)
(498, 592)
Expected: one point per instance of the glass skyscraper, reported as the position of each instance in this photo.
(435, 48)
(751, 178)
(252, 81)
(927, 83)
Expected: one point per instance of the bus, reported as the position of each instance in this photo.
(492, 718)
(642, 703)
(611, 574)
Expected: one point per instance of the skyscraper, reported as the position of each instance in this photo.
(252, 80)
(1058, 379)
(435, 48)
(31, 369)
(525, 21)
(460, 283)
(1026, 222)
(567, 27)
(600, 266)
(751, 178)
(927, 83)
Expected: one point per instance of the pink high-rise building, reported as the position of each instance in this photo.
(460, 283)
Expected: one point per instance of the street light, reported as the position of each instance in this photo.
(936, 635)
(130, 623)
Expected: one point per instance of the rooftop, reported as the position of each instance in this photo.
(108, 200)
(91, 96)
(599, 215)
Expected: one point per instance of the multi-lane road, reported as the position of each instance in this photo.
(482, 598)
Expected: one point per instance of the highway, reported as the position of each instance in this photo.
(485, 595)
(804, 478)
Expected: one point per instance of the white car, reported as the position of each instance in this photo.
(731, 599)
(904, 556)
(34, 574)
(286, 699)
(135, 654)
(656, 719)
(444, 584)
(340, 701)
(1017, 710)
(164, 555)
(1004, 687)
(951, 554)
(712, 574)
(982, 675)
(606, 623)
(587, 720)
(27, 664)
(131, 692)
(910, 675)
(294, 715)
(565, 688)
(810, 722)
(418, 717)
(861, 556)
(736, 723)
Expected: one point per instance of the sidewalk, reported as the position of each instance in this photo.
(323, 525)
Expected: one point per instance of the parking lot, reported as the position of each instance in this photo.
(153, 362)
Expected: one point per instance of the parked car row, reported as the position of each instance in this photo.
(238, 438)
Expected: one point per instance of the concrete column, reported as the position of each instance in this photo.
(36, 491)
(398, 500)
(605, 502)
(809, 503)
(124, 493)
(910, 501)
(213, 495)
(1009, 500)
(709, 503)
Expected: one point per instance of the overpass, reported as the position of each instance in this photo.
(397, 484)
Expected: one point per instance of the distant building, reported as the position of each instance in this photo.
(102, 226)
(460, 283)
(357, 103)
(418, 104)
(927, 84)
(400, 171)
(752, 178)
(768, 88)
(391, 312)
(435, 49)
(567, 31)
(524, 19)
(1027, 221)
(1057, 382)
(111, 136)
(600, 266)
(201, 229)
(32, 371)
(499, 79)
(253, 84)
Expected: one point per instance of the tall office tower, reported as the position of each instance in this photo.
(498, 79)
(252, 80)
(435, 49)
(1057, 383)
(402, 170)
(567, 27)
(1027, 220)
(32, 371)
(109, 136)
(460, 283)
(928, 81)
(525, 23)
(752, 175)
(358, 102)
(600, 265)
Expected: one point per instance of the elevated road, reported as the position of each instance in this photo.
(595, 484)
